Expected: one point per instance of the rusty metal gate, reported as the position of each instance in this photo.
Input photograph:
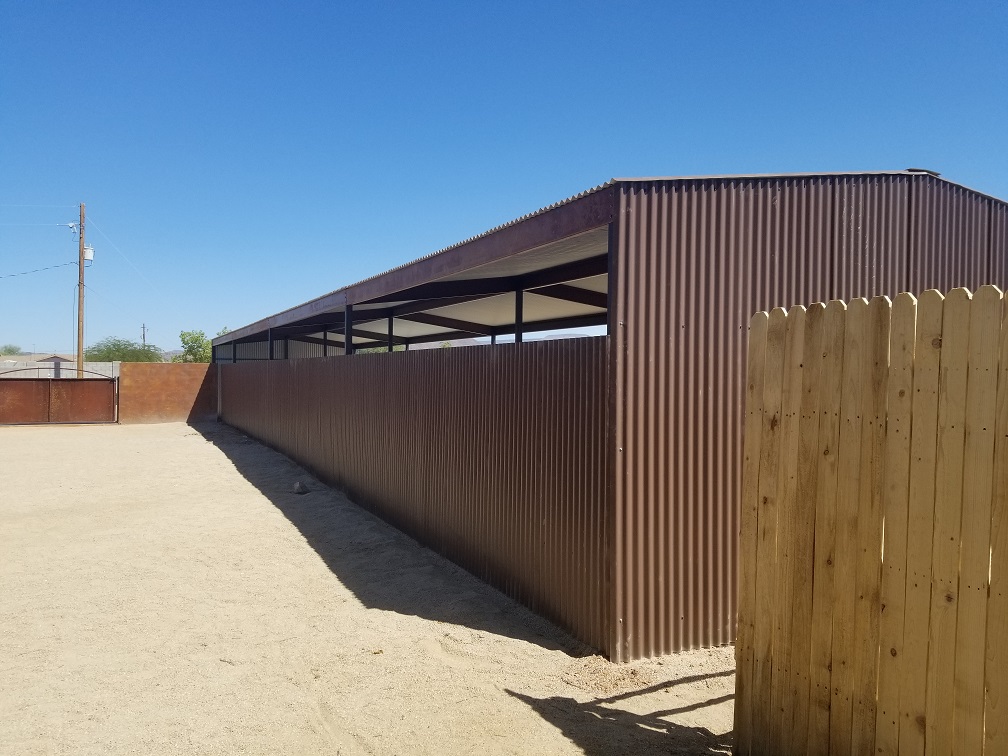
(57, 400)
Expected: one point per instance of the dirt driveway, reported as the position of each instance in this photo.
(164, 590)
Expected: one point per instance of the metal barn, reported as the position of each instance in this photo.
(594, 479)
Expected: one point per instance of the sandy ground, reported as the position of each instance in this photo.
(163, 590)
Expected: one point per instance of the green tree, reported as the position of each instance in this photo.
(380, 350)
(114, 349)
(10, 349)
(196, 347)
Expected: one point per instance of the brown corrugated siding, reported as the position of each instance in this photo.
(694, 260)
(870, 238)
(305, 349)
(493, 457)
(999, 245)
(251, 350)
(949, 237)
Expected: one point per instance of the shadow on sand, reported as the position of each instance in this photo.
(386, 569)
(600, 730)
(383, 567)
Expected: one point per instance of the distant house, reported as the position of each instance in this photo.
(56, 361)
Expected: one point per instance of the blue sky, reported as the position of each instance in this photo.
(240, 158)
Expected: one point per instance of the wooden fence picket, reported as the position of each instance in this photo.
(821, 646)
(974, 550)
(766, 523)
(947, 522)
(803, 531)
(787, 508)
(920, 521)
(896, 490)
(747, 536)
(996, 669)
(845, 559)
(868, 550)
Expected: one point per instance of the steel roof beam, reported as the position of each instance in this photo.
(556, 324)
(423, 305)
(381, 338)
(300, 328)
(471, 288)
(569, 293)
(316, 340)
(453, 323)
(590, 266)
(572, 271)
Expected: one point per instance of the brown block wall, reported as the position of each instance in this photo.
(167, 392)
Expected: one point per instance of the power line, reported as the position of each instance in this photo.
(59, 206)
(121, 253)
(38, 270)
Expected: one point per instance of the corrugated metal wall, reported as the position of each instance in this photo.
(999, 245)
(259, 350)
(695, 259)
(869, 240)
(252, 350)
(305, 349)
(496, 457)
(949, 237)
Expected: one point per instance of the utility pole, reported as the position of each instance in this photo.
(80, 298)
(143, 333)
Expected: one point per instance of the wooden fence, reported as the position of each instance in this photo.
(873, 579)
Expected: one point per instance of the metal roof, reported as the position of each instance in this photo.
(510, 254)
(550, 248)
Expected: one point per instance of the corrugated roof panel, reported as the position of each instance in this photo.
(490, 232)
(599, 284)
(580, 247)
